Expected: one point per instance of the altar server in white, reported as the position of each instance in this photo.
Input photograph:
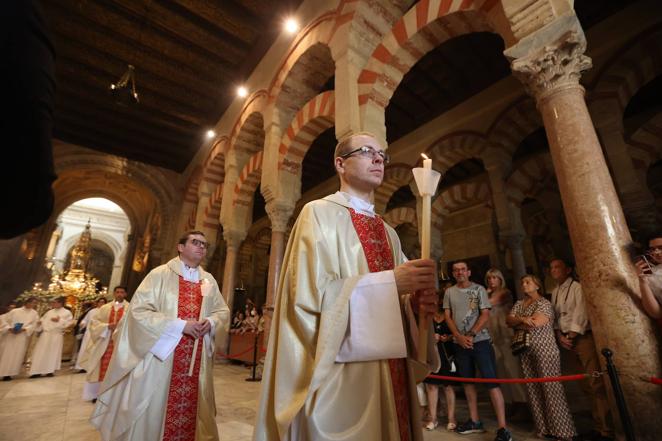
(47, 354)
(20, 323)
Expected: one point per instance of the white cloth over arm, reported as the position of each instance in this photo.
(374, 331)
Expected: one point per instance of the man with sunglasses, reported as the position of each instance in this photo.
(159, 383)
(339, 362)
(650, 278)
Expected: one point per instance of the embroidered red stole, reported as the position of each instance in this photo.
(182, 406)
(113, 319)
(374, 241)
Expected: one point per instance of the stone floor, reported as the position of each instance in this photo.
(50, 409)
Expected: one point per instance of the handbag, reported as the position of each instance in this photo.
(521, 341)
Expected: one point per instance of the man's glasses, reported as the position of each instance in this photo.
(368, 151)
(654, 250)
(200, 243)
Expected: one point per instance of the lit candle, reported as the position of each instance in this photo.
(426, 181)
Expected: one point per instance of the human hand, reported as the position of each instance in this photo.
(528, 322)
(565, 342)
(425, 301)
(192, 328)
(55, 319)
(205, 327)
(415, 275)
(643, 270)
(466, 341)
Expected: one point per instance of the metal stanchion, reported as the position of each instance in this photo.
(252, 377)
(618, 395)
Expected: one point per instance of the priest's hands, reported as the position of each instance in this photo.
(426, 302)
(415, 275)
(197, 329)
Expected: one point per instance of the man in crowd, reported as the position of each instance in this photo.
(19, 323)
(650, 278)
(47, 353)
(467, 310)
(336, 366)
(102, 332)
(159, 382)
(573, 332)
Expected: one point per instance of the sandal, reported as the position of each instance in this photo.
(431, 425)
(451, 427)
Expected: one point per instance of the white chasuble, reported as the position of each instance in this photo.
(134, 393)
(307, 395)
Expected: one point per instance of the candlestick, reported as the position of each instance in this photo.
(426, 181)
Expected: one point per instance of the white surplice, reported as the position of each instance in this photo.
(47, 354)
(85, 342)
(15, 345)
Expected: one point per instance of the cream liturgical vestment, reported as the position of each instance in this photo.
(14, 346)
(326, 374)
(133, 396)
(47, 353)
(97, 356)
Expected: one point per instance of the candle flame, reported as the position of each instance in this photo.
(424, 156)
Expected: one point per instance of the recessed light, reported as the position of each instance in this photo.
(291, 25)
(210, 134)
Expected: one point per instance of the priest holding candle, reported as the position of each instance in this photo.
(342, 361)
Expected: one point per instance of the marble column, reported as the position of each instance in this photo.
(514, 243)
(509, 222)
(549, 64)
(233, 240)
(279, 215)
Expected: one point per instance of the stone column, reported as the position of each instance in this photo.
(233, 240)
(549, 63)
(509, 221)
(279, 215)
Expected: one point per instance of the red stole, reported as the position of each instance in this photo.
(182, 406)
(374, 241)
(115, 317)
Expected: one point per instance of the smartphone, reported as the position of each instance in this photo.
(648, 268)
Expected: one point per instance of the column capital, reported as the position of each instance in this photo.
(279, 213)
(551, 59)
(234, 238)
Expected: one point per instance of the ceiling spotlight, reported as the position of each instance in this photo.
(124, 90)
(242, 92)
(291, 25)
(210, 134)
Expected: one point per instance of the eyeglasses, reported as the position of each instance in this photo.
(368, 151)
(655, 250)
(200, 243)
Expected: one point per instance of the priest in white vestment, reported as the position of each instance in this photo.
(340, 363)
(4, 326)
(85, 324)
(47, 353)
(102, 333)
(159, 383)
(20, 323)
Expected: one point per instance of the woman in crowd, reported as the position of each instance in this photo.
(444, 339)
(508, 366)
(534, 314)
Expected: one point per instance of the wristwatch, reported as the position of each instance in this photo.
(471, 334)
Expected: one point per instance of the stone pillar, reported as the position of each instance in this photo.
(509, 221)
(279, 215)
(233, 240)
(549, 63)
(514, 243)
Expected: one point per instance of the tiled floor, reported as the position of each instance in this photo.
(50, 409)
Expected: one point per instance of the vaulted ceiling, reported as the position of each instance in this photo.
(189, 57)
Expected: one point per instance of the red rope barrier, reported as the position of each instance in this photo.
(512, 380)
(657, 381)
(235, 355)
